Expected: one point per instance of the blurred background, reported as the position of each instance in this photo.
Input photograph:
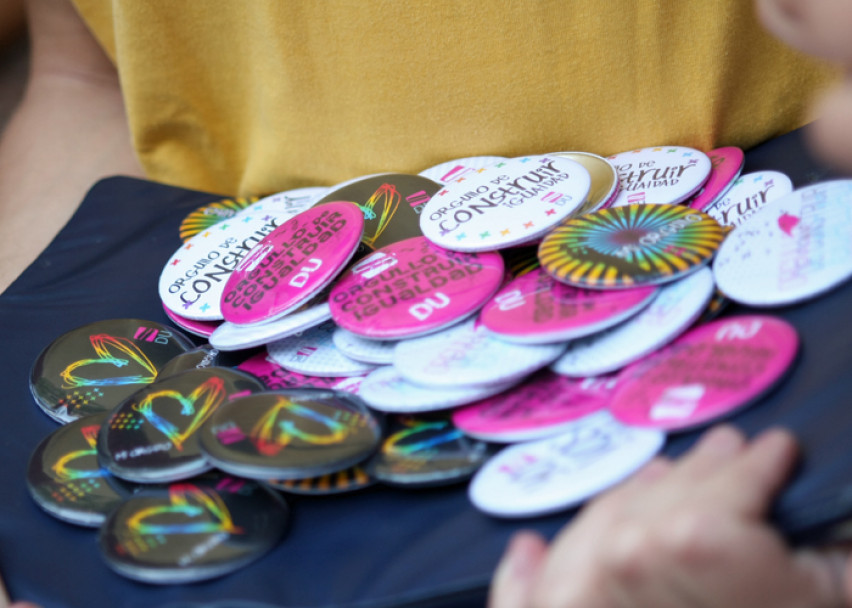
(14, 56)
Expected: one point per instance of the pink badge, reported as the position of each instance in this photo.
(203, 329)
(706, 374)
(412, 288)
(727, 164)
(276, 377)
(536, 309)
(539, 407)
(293, 263)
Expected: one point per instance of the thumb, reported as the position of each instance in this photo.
(512, 582)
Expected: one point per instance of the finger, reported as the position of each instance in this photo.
(512, 582)
(749, 484)
(831, 135)
(717, 448)
(826, 572)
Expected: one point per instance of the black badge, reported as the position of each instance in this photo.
(153, 435)
(93, 368)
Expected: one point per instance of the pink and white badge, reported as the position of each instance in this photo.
(675, 308)
(708, 373)
(557, 473)
(293, 264)
(194, 278)
(413, 288)
(230, 336)
(660, 176)
(461, 169)
(748, 194)
(727, 164)
(790, 250)
(313, 354)
(291, 202)
(384, 389)
(202, 329)
(535, 308)
(506, 204)
(276, 378)
(467, 354)
(541, 406)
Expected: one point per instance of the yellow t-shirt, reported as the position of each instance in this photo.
(258, 96)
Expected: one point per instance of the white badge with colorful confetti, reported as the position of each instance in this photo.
(505, 204)
(749, 193)
(661, 176)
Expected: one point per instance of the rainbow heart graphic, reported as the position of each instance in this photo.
(198, 406)
(63, 472)
(203, 511)
(270, 435)
(117, 353)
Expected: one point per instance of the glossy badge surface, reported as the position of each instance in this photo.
(506, 204)
(727, 164)
(413, 288)
(748, 194)
(290, 434)
(153, 436)
(660, 176)
(630, 246)
(95, 367)
(706, 374)
(192, 530)
(792, 249)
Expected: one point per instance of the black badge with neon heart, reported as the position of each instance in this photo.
(65, 478)
(192, 530)
(152, 436)
(95, 367)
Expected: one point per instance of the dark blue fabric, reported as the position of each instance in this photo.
(380, 547)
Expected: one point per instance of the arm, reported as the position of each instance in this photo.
(69, 131)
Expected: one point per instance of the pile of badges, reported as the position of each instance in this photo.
(410, 326)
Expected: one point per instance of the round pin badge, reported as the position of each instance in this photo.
(202, 329)
(630, 246)
(461, 169)
(376, 352)
(193, 280)
(342, 482)
(275, 377)
(211, 214)
(507, 204)
(198, 358)
(313, 353)
(426, 451)
(413, 288)
(541, 406)
(232, 336)
(66, 480)
(537, 309)
(93, 368)
(292, 264)
(604, 186)
(192, 530)
(391, 204)
(675, 308)
(706, 374)
(560, 472)
(467, 354)
(292, 202)
(152, 437)
(660, 176)
(748, 194)
(290, 434)
(727, 163)
(387, 391)
(792, 249)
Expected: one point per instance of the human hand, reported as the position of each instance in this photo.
(677, 535)
(820, 28)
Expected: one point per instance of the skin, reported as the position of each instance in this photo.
(69, 131)
(820, 28)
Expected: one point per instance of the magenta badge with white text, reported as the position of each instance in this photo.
(412, 288)
(706, 374)
(293, 263)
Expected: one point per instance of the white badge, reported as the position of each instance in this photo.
(748, 194)
(231, 336)
(313, 354)
(664, 175)
(560, 472)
